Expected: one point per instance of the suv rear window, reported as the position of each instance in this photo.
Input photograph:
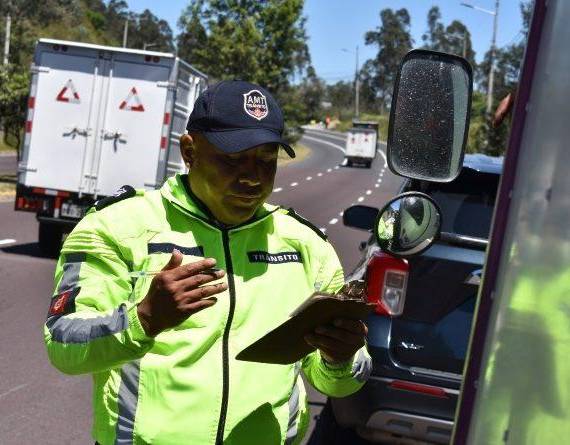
(466, 203)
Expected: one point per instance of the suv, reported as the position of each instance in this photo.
(418, 357)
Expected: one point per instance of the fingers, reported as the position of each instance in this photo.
(175, 260)
(200, 279)
(190, 297)
(188, 270)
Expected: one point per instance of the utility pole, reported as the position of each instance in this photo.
(356, 86)
(495, 14)
(7, 39)
(125, 32)
(356, 82)
(492, 69)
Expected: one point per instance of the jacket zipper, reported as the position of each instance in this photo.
(225, 339)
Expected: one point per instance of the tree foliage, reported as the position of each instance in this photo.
(453, 39)
(13, 101)
(393, 40)
(260, 41)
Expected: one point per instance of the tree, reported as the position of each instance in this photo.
(260, 41)
(508, 63)
(453, 39)
(145, 29)
(13, 102)
(393, 40)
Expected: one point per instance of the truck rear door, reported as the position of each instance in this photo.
(361, 143)
(131, 121)
(62, 101)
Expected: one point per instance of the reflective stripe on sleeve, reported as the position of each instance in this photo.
(84, 330)
(71, 269)
(293, 408)
(362, 367)
(127, 401)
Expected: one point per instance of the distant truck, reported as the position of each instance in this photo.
(361, 142)
(98, 118)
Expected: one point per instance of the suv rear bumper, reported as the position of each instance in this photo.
(381, 408)
(424, 429)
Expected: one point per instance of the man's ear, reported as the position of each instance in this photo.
(187, 148)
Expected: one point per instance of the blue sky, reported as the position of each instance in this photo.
(336, 24)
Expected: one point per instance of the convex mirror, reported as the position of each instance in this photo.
(429, 117)
(408, 225)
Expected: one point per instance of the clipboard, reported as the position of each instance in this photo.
(286, 344)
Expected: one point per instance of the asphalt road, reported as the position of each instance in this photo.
(40, 405)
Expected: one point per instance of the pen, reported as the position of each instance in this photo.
(151, 273)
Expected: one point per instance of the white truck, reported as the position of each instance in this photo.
(98, 118)
(361, 142)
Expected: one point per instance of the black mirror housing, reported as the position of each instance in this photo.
(360, 217)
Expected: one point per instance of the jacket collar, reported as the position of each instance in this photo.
(177, 191)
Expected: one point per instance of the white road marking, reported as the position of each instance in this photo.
(333, 221)
(294, 184)
(15, 388)
(319, 174)
(379, 181)
(340, 137)
(384, 156)
(309, 178)
(341, 213)
(277, 190)
(336, 167)
(329, 170)
(368, 192)
(376, 185)
(338, 147)
(323, 229)
(361, 199)
(7, 241)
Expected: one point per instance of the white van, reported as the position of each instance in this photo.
(361, 142)
(98, 118)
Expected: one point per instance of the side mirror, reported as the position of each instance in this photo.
(429, 117)
(408, 225)
(360, 217)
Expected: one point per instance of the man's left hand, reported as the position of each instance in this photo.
(339, 341)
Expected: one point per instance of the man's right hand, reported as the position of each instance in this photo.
(178, 292)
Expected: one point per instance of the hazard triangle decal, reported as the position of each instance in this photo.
(132, 102)
(68, 94)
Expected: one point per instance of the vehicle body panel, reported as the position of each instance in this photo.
(360, 144)
(98, 118)
(427, 344)
(517, 384)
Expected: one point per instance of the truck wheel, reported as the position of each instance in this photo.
(50, 238)
(368, 164)
(348, 163)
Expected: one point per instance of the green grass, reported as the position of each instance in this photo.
(382, 120)
(5, 147)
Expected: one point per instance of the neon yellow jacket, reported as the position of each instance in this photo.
(185, 386)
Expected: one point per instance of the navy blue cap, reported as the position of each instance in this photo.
(235, 115)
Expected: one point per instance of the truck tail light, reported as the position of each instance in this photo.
(387, 279)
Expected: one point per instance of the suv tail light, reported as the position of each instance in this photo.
(387, 279)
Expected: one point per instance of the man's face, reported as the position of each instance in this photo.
(233, 186)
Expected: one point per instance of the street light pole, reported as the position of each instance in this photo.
(356, 86)
(492, 69)
(125, 32)
(495, 15)
(7, 39)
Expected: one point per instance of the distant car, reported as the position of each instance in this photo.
(418, 357)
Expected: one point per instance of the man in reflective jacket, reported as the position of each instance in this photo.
(139, 304)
